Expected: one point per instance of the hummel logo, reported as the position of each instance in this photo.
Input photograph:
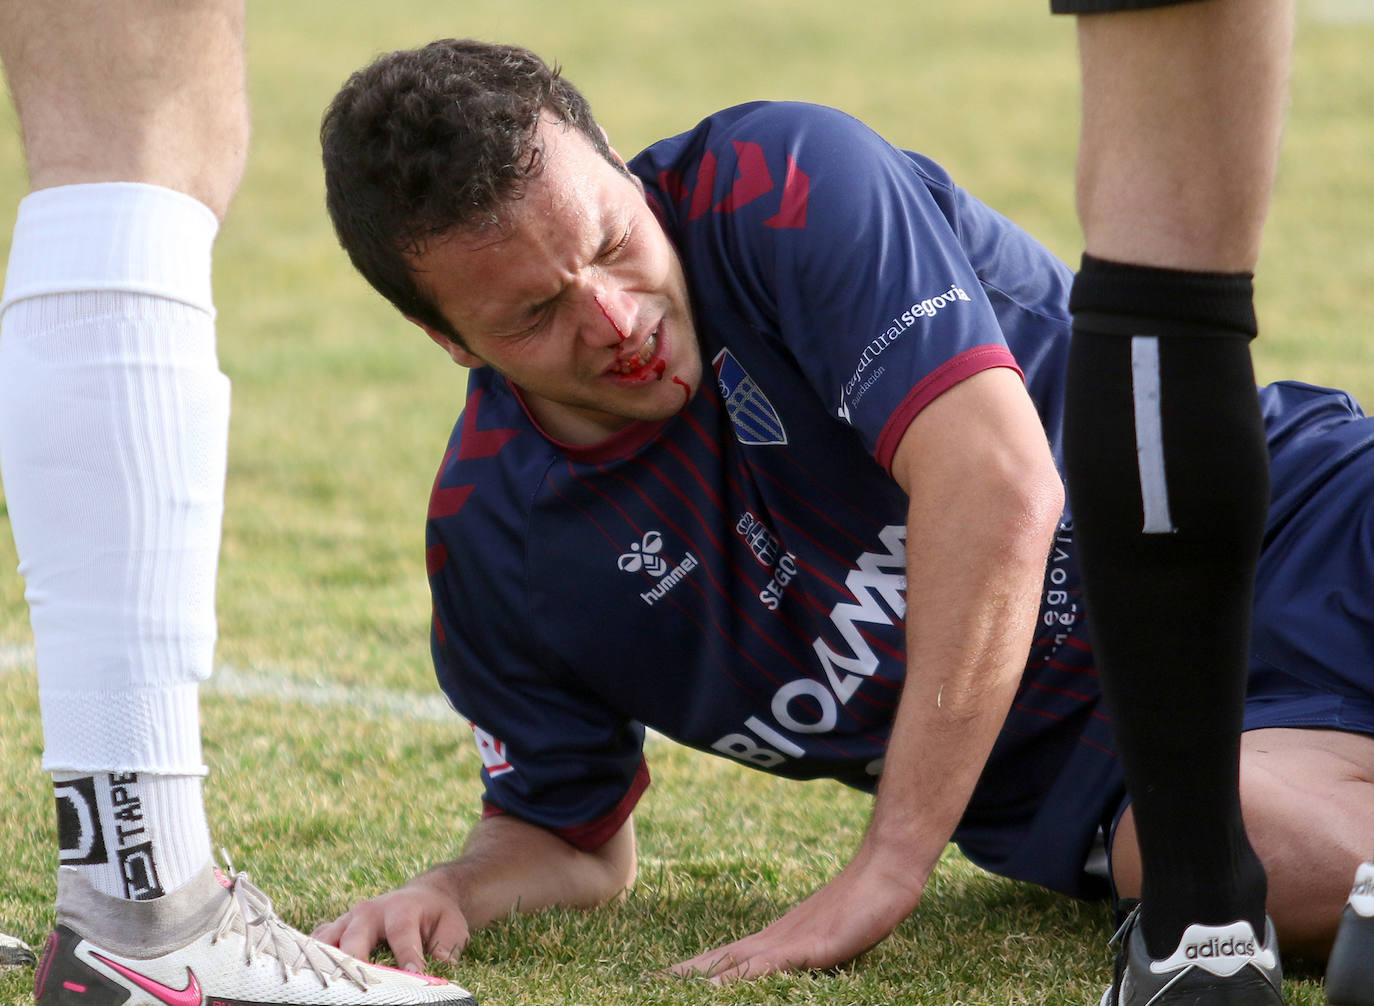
(189, 996)
(644, 555)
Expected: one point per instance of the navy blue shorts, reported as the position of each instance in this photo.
(1312, 657)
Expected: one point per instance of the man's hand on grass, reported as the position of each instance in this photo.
(415, 920)
(855, 911)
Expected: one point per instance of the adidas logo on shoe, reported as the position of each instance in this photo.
(1211, 964)
(1222, 950)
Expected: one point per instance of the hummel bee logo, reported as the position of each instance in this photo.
(645, 555)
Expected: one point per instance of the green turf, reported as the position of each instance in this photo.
(340, 414)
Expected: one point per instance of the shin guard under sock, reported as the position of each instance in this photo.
(1168, 477)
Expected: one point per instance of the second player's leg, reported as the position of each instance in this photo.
(149, 91)
(114, 415)
(1182, 114)
(1165, 453)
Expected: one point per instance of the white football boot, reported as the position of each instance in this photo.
(212, 941)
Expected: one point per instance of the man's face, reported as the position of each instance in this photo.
(578, 297)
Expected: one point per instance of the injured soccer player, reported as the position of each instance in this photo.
(786, 403)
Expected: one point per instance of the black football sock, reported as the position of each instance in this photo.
(1168, 477)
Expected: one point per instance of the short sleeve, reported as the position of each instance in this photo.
(844, 248)
(549, 756)
(553, 754)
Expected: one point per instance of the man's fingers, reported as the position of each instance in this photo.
(741, 961)
(714, 964)
(448, 937)
(409, 924)
(360, 933)
(328, 932)
(401, 931)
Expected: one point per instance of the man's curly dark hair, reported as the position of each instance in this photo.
(426, 141)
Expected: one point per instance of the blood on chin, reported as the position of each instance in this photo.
(650, 376)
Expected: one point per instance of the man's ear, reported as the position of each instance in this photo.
(620, 160)
(607, 137)
(456, 352)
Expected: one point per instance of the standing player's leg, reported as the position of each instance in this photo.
(113, 435)
(1165, 451)
(114, 413)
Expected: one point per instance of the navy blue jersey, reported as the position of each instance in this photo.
(734, 577)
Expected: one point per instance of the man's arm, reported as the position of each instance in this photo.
(985, 499)
(506, 864)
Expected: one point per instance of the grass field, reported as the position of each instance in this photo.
(332, 776)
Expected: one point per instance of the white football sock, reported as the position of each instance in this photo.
(135, 835)
(113, 438)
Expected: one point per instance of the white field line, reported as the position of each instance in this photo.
(234, 682)
(15, 658)
(429, 707)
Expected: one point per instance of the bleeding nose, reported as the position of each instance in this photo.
(619, 329)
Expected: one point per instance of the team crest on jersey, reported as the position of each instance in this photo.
(493, 752)
(755, 420)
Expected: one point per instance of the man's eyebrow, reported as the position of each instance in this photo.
(516, 318)
(614, 224)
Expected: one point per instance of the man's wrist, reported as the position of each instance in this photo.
(894, 867)
(443, 878)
